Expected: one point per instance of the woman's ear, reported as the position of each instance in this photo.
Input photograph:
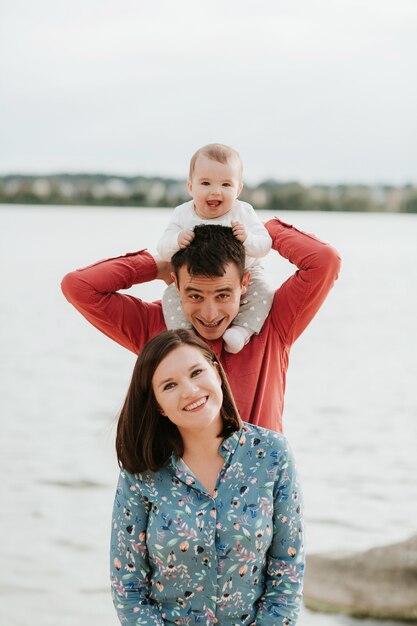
(216, 367)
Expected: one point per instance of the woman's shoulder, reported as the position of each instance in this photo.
(146, 481)
(277, 441)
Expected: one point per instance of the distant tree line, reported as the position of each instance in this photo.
(142, 191)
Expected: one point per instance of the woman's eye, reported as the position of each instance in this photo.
(196, 372)
(169, 386)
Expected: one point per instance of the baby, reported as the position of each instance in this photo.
(215, 182)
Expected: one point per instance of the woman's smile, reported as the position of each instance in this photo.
(196, 405)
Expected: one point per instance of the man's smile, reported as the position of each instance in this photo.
(210, 324)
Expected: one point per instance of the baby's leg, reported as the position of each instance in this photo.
(254, 308)
(256, 303)
(172, 309)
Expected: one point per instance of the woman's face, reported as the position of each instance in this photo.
(188, 390)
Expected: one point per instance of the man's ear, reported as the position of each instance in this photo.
(245, 281)
(175, 281)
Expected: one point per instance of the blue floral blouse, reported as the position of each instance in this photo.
(182, 556)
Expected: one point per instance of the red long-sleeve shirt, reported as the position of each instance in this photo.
(257, 373)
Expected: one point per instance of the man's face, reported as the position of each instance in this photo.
(211, 303)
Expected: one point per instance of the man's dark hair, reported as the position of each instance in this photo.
(212, 248)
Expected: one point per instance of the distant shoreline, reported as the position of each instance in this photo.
(141, 191)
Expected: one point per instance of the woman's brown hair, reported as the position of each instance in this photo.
(146, 439)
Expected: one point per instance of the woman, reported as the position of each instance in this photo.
(207, 521)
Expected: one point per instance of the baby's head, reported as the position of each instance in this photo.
(215, 179)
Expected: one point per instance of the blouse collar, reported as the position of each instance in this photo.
(227, 449)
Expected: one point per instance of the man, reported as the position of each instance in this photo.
(211, 281)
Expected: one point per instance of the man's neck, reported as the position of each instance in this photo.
(216, 345)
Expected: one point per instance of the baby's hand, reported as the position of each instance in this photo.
(239, 230)
(185, 238)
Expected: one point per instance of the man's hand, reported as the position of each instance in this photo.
(239, 230)
(185, 237)
(164, 270)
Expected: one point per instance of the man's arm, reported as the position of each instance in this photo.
(297, 301)
(93, 291)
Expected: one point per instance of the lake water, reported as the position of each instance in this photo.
(351, 406)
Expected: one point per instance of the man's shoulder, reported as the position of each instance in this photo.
(255, 350)
(141, 323)
(156, 323)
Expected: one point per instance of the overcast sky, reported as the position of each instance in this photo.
(309, 90)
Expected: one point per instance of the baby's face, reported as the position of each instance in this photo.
(214, 186)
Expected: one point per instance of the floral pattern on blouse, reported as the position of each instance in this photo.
(182, 556)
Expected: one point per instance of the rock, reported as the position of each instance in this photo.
(379, 583)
